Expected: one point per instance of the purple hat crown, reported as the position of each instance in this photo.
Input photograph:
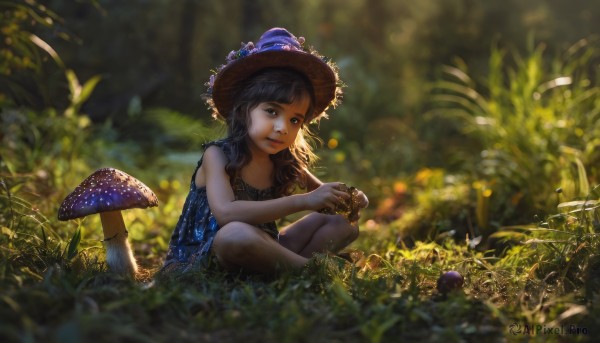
(279, 39)
(276, 39)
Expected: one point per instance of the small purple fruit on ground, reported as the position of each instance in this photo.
(449, 281)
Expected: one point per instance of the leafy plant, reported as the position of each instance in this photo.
(536, 123)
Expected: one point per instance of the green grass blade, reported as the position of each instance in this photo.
(74, 244)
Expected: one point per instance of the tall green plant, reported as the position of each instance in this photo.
(536, 122)
(40, 149)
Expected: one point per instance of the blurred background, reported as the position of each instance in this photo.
(458, 115)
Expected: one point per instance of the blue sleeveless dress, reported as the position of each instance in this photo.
(192, 238)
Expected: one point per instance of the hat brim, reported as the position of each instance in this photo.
(322, 77)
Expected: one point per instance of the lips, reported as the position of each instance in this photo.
(274, 140)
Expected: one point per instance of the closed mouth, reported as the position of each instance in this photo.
(274, 140)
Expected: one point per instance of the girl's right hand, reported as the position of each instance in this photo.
(326, 195)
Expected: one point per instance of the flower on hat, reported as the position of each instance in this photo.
(245, 50)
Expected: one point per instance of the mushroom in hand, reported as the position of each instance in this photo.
(108, 191)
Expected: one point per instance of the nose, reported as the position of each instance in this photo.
(281, 127)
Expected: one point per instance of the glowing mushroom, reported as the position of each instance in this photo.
(108, 191)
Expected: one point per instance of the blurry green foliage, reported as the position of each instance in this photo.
(24, 55)
(440, 207)
(387, 50)
(535, 123)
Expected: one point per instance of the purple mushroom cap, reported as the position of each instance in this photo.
(450, 281)
(107, 189)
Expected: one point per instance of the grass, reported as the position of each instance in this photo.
(55, 288)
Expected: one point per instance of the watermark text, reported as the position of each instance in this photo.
(541, 330)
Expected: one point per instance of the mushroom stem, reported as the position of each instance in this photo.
(119, 256)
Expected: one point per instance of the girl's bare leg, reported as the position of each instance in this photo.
(318, 232)
(242, 245)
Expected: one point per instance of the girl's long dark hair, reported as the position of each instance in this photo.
(272, 85)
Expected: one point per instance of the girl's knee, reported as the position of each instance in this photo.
(235, 240)
(317, 219)
(346, 230)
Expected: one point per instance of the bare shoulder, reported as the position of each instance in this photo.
(214, 154)
(213, 164)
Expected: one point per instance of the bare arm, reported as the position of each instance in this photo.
(312, 182)
(226, 209)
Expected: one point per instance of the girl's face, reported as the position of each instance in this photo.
(274, 125)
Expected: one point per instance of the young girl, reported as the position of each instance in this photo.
(267, 94)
